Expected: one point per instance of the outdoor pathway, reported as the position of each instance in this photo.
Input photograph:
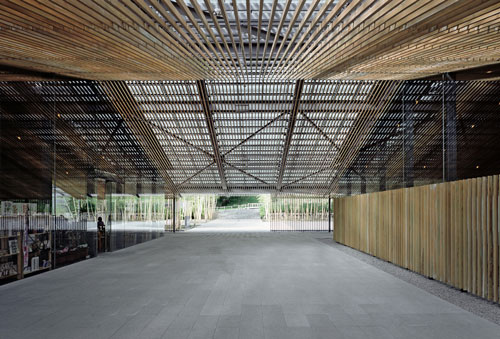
(235, 220)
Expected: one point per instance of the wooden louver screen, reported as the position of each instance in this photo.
(447, 231)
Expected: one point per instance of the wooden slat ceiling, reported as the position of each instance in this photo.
(245, 40)
(253, 95)
(344, 132)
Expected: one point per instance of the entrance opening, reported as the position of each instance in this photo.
(238, 214)
(268, 213)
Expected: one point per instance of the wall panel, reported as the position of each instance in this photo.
(447, 231)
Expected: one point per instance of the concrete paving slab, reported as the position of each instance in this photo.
(229, 285)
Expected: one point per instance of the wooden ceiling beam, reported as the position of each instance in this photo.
(207, 111)
(123, 101)
(299, 85)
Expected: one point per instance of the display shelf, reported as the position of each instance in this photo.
(13, 259)
(38, 270)
(36, 234)
(40, 245)
(72, 256)
(8, 236)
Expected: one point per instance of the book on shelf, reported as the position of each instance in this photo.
(8, 269)
(35, 264)
(13, 246)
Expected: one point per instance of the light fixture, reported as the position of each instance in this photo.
(416, 102)
(489, 72)
(58, 115)
(477, 166)
(425, 166)
(472, 126)
(67, 172)
(18, 137)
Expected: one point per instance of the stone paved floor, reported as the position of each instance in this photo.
(229, 285)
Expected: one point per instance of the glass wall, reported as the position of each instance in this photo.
(191, 210)
(61, 171)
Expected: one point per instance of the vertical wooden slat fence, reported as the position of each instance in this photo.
(447, 231)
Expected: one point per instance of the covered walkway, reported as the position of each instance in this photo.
(229, 285)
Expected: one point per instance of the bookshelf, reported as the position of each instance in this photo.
(39, 252)
(10, 257)
(39, 247)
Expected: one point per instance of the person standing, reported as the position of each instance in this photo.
(101, 231)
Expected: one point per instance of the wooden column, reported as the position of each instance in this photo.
(329, 214)
(363, 185)
(408, 137)
(110, 190)
(349, 184)
(382, 167)
(451, 130)
(173, 214)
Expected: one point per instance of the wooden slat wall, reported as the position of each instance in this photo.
(447, 231)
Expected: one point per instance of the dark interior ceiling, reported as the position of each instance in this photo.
(242, 96)
(306, 136)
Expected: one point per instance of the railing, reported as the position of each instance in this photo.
(244, 206)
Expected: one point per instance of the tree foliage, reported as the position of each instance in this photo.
(236, 200)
